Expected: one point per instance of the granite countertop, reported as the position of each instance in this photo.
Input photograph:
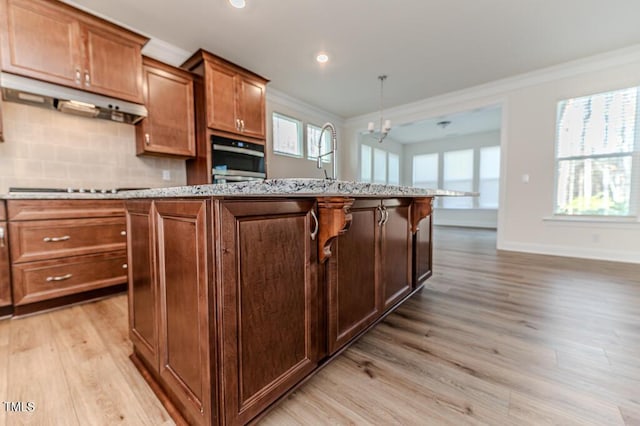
(293, 188)
(267, 188)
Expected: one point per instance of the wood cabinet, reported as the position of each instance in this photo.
(230, 102)
(235, 301)
(5, 272)
(354, 293)
(235, 97)
(143, 292)
(370, 270)
(396, 244)
(64, 248)
(54, 42)
(423, 245)
(169, 128)
(169, 300)
(269, 302)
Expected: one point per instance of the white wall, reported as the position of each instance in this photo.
(527, 147)
(479, 218)
(282, 166)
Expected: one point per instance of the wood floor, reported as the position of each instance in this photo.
(495, 338)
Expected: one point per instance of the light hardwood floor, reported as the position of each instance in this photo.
(494, 338)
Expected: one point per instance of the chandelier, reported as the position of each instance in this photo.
(385, 125)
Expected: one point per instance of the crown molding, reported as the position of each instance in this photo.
(495, 92)
(165, 52)
(279, 97)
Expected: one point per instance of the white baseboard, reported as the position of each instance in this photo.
(472, 223)
(572, 251)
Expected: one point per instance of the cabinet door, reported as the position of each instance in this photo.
(422, 243)
(396, 244)
(251, 107)
(170, 126)
(355, 299)
(5, 277)
(220, 85)
(183, 243)
(269, 302)
(143, 292)
(113, 64)
(40, 40)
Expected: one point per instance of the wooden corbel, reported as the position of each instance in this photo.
(420, 208)
(335, 218)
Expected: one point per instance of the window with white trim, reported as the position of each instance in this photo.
(379, 166)
(597, 154)
(458, 176)
(313, 139)
(287, 135)
(489, 177)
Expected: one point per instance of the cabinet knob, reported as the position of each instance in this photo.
(147, 138)
(125, 266)
(123, 233)
(87, 78)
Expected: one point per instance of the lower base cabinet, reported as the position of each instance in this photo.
(230, 307)
(268, 303)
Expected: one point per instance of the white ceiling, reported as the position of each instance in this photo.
(462, 123)
(426, 47)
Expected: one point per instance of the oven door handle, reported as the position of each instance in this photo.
(238, 150)
(237, 178)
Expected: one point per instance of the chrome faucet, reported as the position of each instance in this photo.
(334, 150)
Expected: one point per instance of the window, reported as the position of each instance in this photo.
(379, 166)
(287, 135)
(394, 169)
(595, 145)
(313, 135)
(425, 171)
(458, 176)
(365, 163)
(489, 179)
(476, 170)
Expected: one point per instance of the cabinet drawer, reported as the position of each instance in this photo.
(63, 209)
(37, 281)
(41, 240)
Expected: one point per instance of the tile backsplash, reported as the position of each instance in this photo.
(45, 148)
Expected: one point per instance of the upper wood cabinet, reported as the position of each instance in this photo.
(234, 96)
(169, 128)
(54, 42)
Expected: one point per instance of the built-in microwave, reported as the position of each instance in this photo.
(236, 161)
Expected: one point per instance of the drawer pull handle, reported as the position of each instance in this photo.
(1, 236)
(60, 278)
(56, 239)
(314, 233)
(123, 233)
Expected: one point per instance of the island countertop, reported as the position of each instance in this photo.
(293, 188)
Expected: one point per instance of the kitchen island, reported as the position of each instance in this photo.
(238, 293)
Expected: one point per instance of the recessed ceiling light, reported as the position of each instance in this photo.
(322, 58)
(238, 4)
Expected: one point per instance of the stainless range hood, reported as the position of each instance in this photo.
(72, 101)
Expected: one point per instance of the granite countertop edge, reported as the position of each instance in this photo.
(266, 188)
